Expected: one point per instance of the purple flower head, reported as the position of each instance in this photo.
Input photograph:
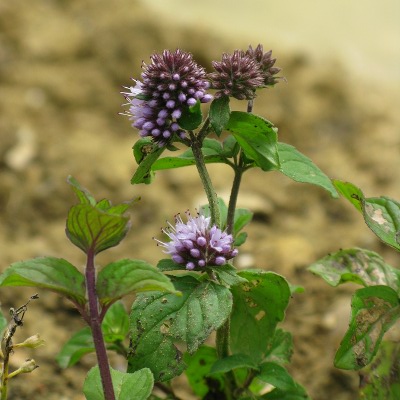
(266, 64)
(237, 75)
(171, 82)
(196, 245)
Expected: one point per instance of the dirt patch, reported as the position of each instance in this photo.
(62, 65)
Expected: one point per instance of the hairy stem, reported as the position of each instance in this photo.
(212, 198)
(95, 325)
(233, 199)
(239, 170)
(222, 343)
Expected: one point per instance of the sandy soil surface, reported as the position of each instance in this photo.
(62, 65)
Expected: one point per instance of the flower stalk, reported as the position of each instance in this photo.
(233, 199)
(205, 179)
(222, 338)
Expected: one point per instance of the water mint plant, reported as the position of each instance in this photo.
(195, 312)
(244, 308)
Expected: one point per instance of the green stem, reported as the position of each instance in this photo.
(250, 377)
(222, 344)
(4, 376)
(233, 199)
(7, 348)
(223, 333)
(95, 325)
(196, 143)
(239, 170)
(222, 341)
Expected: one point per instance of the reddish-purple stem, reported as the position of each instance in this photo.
(95, 325)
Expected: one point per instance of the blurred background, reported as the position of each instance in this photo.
(62, 66)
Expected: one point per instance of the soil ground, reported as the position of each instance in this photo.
(62, 65)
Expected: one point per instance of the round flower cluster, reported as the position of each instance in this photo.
(171, 82)
(197, 245)
(237, 75)
(266, 64)
(241, 73)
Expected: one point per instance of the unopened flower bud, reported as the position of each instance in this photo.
(32, 342)
(266, 64)
(237, 75)
(28, 366)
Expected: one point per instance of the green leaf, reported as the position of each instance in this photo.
(300, 168)
(223, 212)
(198, 367)
(166, 264)
(233, 362)
(381, 214)
(82, 193)
(257, 137)
(374, 310)
(351, 192)
(240, 239)
(103, 204)
(75, 348)
(280, 348)
(159, 320)
(258, 306)
(173, 162)
(115, 325)
(142, 148)
(230, 147)
(211, 149)
(227, 275)
(242, 217)
(276, 375)
(123, 277)
(93, 229)
(191, 117)
(138, 385)
(356, 265)
(297, 392)
(219, 114)
(143, 173)
(55, 274)
(296, 289)
(380, 380)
